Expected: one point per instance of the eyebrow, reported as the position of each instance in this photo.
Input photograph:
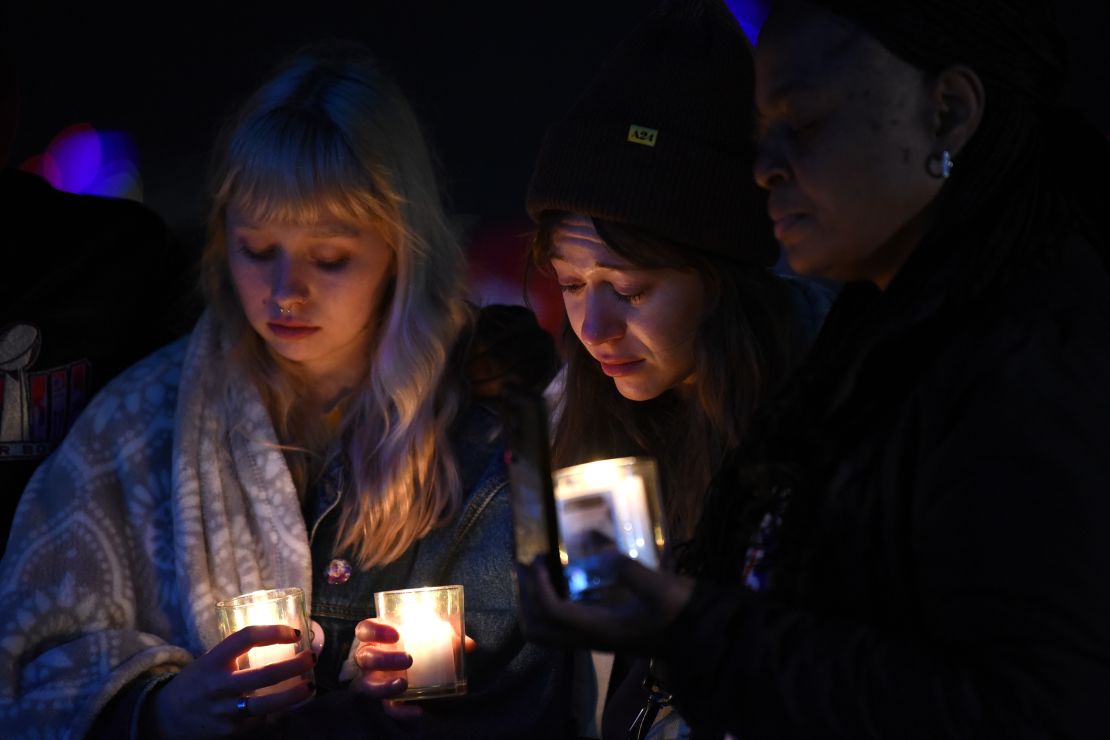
(628, 267)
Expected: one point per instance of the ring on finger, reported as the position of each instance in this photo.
(241, 708)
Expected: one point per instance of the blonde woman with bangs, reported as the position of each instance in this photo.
(314, 430)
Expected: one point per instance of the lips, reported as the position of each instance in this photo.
(616, 367)
(786, 224)
(786, 215)
(284, 330)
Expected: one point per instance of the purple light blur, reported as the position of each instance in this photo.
(116, 179)
(82, 160)
(750, 14)
(76, 151)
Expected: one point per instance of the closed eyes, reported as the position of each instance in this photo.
(576, 288)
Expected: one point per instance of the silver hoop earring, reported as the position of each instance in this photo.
(940, 165)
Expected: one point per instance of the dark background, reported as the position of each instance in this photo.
(487, 77)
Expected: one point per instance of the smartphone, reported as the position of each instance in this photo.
(535, 520)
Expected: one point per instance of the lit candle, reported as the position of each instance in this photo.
(278, 606)
(431, 628)
(634, 516)
(263, 614)
(604, 506)
(431, 643)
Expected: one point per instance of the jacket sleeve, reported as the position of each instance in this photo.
(1007, 631)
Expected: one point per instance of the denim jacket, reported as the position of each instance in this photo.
(515, 688)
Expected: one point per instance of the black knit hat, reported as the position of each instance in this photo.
(661, 140)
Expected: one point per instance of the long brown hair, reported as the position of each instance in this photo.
(744, 348)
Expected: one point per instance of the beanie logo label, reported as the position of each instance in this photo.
(642, 135)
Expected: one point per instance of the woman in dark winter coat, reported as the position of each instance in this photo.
(920, 519)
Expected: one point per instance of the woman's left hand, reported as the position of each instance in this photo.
(652, 600)
(383, 668)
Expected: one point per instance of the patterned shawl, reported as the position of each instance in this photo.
(168, 495)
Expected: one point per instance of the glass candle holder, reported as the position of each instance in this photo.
(275, 606)
(431, 625)
(602, 507)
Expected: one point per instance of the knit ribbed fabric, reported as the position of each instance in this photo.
(662, 138)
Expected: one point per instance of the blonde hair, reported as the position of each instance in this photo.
(329, 135)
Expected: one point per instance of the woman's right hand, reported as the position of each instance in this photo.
(652, 600)
(202, 701)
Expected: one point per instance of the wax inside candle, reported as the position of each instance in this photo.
(431, 643)
(263, 655)
(605, 506)
(637, 535)
(267, 654)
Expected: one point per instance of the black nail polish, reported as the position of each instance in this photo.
(298, 632)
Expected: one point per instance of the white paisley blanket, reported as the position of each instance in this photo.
(167, 495)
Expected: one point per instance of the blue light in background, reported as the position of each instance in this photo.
(82, 160)
(76, 153)
(750, 14)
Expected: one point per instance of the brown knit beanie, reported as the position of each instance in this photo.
(661, 140)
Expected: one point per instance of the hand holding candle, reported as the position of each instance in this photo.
(379, 668)
(429, 626)
(273, 607)
(201, 700)
(606, 507)
(381, 663)
(651, 601)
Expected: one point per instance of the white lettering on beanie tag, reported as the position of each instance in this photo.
(642, 135)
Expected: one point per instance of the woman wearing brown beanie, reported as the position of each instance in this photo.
(648, 218)
(677, 329)
(927, 500)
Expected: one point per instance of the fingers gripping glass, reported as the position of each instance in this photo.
(604, 507)
(432, 628)
(572, 518)
(275, 606)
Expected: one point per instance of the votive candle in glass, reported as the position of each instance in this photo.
(275, 606)
(431, 627)
(606, 506)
